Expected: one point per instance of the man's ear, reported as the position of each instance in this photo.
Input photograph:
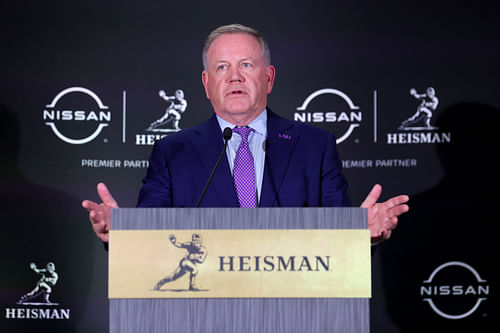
(271, 74)
(204, 80)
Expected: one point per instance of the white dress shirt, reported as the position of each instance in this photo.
(256, 143)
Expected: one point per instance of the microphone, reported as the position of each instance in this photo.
(227, 133)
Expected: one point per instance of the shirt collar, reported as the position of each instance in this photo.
(259, 124)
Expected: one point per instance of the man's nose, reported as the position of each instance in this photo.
(235, 75)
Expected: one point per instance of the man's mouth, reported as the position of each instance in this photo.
(236, 92)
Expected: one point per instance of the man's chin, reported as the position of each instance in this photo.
(238, 107)
(238, 110)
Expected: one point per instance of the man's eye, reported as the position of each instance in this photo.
(221, 67)
(246, 65)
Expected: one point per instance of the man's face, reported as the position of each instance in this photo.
(196, 243)
(237, 80)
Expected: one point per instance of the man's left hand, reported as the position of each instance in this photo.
(383, 217)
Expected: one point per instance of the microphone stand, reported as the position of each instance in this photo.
(228, 133)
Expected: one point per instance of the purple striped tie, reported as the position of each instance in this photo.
(244, 170)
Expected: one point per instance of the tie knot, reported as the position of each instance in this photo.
(243, 131)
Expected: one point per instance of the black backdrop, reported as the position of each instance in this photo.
(371, 53)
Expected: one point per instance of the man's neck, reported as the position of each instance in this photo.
(240, 120)
(259, 124)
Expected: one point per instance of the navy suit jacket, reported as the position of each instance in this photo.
(302, 168)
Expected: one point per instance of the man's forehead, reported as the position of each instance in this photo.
(242, 44)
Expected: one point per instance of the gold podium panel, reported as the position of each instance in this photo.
(256, 263)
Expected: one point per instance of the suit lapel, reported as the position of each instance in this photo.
(281, 142)
(209, 143)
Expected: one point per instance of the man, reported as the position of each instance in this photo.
(294, 164)
(196, 254)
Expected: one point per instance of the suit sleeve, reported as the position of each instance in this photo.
(333, 184)
(156, 189)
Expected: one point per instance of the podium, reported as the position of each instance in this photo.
(257, 270)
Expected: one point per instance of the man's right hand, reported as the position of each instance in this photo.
(100, 214)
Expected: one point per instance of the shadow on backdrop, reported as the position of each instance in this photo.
(39, 225)
(456, 221)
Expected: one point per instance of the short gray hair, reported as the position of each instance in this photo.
(235, 29)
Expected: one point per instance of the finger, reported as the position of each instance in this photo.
(103, 214)
(106, 197)
(101, 232)
(98, 224)
(95, 217)
(372, 197)
(99, 216)
(104, 237)
(89, 205)
(391, 224)
(398, 200)
(398, 210)
(395, 212)
(386, 234)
